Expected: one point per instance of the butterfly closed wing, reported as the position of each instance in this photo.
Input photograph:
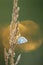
(22, 40)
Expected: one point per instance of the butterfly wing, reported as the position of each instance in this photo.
(22, 40)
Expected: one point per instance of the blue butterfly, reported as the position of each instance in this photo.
(22, 40)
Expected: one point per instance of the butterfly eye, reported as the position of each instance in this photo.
(22, 40)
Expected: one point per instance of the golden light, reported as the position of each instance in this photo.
(27, 29)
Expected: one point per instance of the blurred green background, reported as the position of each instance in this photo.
(29, 10)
